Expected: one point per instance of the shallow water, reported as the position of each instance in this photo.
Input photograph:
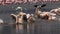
(38, 27)
(7, 29)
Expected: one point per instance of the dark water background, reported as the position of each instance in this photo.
(38, 27)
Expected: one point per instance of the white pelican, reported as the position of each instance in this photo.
(20, 18)
(38, 10)
(43, 15)
(47, 15)
(31, 18)
(1, 21)
(56, 11)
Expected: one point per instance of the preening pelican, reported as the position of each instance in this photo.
(38, 10)
(28, 17)
(20, 18)
(31, 18)
(43, 15)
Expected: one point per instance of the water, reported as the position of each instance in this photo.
(38, 27)
(7, 29)
(41, 27)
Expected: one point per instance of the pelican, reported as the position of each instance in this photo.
(56, 11)
(30, 18)
(20, 18)
(38, 11)
(47, 16)
(44, 15)
(1, 21)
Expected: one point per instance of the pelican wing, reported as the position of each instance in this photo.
(53, 14)
(14, 16)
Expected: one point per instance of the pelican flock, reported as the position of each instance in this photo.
(26, 18)
(22, 17)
